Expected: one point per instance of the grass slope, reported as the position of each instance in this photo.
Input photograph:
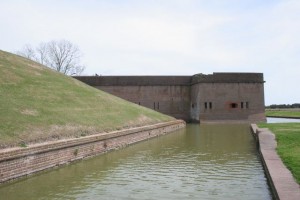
(38, 104)
(288, 145)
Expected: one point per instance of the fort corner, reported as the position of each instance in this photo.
(199, 98)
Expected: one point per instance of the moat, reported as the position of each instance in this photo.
(199, 162)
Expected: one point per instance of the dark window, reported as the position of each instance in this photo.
(157, 105)
(154, 105)
(233, 105)
(242, 104)
(192, 105)
(210, 105)
(205, 105)
(247, 104)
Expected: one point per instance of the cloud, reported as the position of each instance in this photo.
(168, 37)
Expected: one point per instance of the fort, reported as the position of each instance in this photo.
(198, 98)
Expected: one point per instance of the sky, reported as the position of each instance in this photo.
(168, 37)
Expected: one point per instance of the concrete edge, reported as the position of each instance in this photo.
(282, 183)
(13, 153)
(285, 117)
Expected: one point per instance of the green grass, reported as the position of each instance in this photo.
(288, 145)
(283, 113)
(38, 104)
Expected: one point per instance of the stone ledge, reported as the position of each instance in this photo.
(282, 182)
(19, 162)
(12, 153)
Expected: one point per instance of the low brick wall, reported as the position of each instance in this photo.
(282, 183)
(18, 162)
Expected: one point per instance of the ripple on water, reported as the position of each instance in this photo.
(202, 162)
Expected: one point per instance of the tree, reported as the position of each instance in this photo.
(60, 55)
(27, 52)
(41, 51)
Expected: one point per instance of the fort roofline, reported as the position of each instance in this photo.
(135, 80)
(228, 78)
(172, 80)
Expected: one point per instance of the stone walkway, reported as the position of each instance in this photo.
(280, 177)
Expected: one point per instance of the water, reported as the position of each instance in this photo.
(199, 162)
(281, 120)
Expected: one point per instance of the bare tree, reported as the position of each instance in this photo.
(60, 55)
(28, 52)
(42, 52)
(64, 57)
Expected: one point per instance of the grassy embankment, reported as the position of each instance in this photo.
(38, 104)
(288, 141)
(290, 113)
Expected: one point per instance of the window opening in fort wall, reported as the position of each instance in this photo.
(243, 105)
(208, 105)
(155, 105)
(233, 105)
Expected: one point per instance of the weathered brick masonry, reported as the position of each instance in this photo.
(215, 97)
(18, 162)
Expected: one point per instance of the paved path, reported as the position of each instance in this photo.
(281, 178)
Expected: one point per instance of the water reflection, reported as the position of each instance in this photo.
(271, 120)
(199, 162)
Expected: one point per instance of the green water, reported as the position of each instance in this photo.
(199, 162)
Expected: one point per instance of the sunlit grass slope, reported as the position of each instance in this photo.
(38, 104)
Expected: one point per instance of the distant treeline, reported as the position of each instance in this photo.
(295, 105)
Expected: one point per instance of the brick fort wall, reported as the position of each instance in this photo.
(199, 98)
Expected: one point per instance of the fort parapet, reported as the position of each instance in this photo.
(204, 98)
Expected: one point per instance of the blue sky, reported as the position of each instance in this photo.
(168, 37)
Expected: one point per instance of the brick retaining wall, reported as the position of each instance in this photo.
(18, 162)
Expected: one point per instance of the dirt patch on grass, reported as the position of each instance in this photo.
(140, 121)
(34, 135)
(8, 77)
(55, 132)
(31, 112)
(35, 66)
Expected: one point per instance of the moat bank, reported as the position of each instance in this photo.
(287, 137)
(17, 162)
(207, 161)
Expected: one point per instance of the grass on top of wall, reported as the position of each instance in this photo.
(283, 113)
(38, 104)
(288, 145)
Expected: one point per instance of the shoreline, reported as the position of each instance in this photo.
(282, 183)
(22, 161)
(285, 117)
